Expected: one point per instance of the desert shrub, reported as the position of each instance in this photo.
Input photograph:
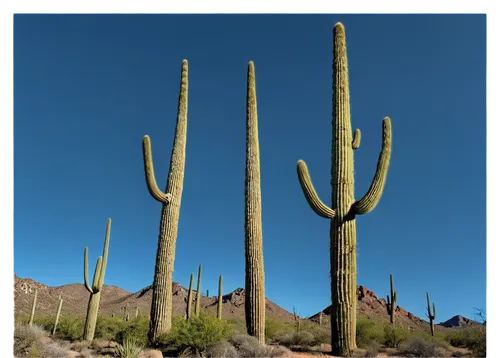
(69, 328)
(472, 338)
(109, 327)
(368, 331)
(26, 337)
(130, 348)
(222, 349)
(53, 350)
(198, 333)
(284, 338)
(136, 330)
(275, 327)
(249, 347)
(421, 347)
(321, 334)
(394, 335)
(372, 349)
(303, 338)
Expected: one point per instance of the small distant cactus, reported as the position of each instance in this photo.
(136, 312)
(431, 316)
(219, 301)
(207, 294)
(97, 284)
(57, 315)
(198, 293)
(255, 299)
(296, 318)
(320, 320)
(161, 305)
(33, 306)
(189, 297)
(391, 302)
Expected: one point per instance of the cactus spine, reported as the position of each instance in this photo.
(161, 306)
(57, 315)
(430, 315)
(219, 301)
(198, 293)
(189, 297)
(391, 302)
(33, 306)
(255, 300)
(97, 284)
(344, 208)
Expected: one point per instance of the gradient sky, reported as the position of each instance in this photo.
(87, 88)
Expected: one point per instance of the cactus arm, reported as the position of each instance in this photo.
(150, 172)
(86, 270)
(97, 276)
(310, 193)
(356, 141)
(434, 311)
(104, 255)
(368, 202)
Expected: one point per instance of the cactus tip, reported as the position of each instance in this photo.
(339, 27)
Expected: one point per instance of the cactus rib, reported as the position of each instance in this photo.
(161, 305)
(255, 300)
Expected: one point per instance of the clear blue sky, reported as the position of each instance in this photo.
(87, 88)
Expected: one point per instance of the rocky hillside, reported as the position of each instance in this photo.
(458, 321)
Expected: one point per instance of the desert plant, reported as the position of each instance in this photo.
(189, 299)
(250, 347)
(296, 319)
(198, 293)
(320, 318)
(219, 301)
(222, 349)
(33, 306)
(421, 347)
(391, 302)
(97, 284)
(344, 208)
(136, 312)
(70, 327)
(367, 331)
(430, 315)
(57, 315)
(372, 349)
(129, 349)
(25, 336)
(161, 306)
(394, 336)
(255, 299)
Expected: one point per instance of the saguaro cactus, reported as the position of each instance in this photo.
(219, 301)
(33, 306)
(320, 320)
(57, 315)
(189, 299)
(161, 306)
(344, 208)
(431, 316)
(255, 299)
(391, 302)
(198, 293)
(136, 312)
(97, 284)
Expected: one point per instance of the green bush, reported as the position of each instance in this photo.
(275, 327)
(369, 331)
(130, 348)
(249, 347)
(472, 338)
(198, 333)
(421, 346)
(394, 335)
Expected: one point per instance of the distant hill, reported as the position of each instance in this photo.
(459, 321)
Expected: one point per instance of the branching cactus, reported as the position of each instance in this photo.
(57, 315)
(431, 316)
(33, 307)
(255, 299)
(97, 284)
(189, 298)
(391, 302)
(198, 293)
(219, 301)
(161, 306)
(344, 208)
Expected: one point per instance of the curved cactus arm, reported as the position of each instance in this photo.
(356, 141)
(434, 311)
(372, 197)
(388, 305)
(104, 255)
(97, 276)
(311, 196)
(86, 270)
(150, 173)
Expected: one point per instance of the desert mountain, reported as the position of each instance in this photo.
(458, 321)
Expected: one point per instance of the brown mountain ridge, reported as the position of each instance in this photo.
(117, 301)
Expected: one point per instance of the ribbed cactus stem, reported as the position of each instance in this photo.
(198, 293)
(161, 306)
(33, 307)
(97, 285)
(189, 297)
(344, 208)
(391, 302)
(255, 300)
(431, 316)
(59, 306)
(219, 301)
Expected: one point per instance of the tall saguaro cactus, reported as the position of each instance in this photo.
(431, 316)
(219, 301)
(255, 299)
(57, 315)
(391, 302)
(344, 208)
(189, 298)
(198, 293)
(33, 307)
(97, 284)
(161, 306)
